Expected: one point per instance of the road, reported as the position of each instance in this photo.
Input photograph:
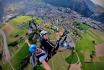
(6, 53)
(77, 65)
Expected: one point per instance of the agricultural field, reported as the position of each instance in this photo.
(18, 54)
(89, 41)
(86, 45)
(16, 30)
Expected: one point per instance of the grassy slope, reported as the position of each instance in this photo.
(60, 57)
(23, 51)
(86, 45)
(20, 25)
(58, 61)
(19, 20)
(17, 58)
(94, 66)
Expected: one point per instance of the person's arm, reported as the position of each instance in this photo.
(27, 42)
(46, 65)
(41, 46)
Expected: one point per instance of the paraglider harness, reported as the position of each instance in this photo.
(53, 52)
(42, 54)
(59, 42)
(35, 59)
(54, 49)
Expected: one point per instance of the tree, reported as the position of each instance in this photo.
(93, 42)
(13, 43)
(92, 55)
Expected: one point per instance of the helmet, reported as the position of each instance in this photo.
(32, 48)
(43, 32)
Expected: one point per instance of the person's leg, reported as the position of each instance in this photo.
(54, 50)
(46, 65)
(49, 55)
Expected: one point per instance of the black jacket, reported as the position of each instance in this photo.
(48, 46)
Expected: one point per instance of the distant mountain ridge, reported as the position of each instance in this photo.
(85, 7)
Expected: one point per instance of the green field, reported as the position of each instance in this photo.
(20, 27)
(84, 48)
(81, 26)
(94, 66)
(60, 61)
(17, 58)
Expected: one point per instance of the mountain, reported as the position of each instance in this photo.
(11, 8)
(1, 10)
(87, 8)
(99, 17)
(84, 7)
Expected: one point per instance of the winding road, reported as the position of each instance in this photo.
(77, 65)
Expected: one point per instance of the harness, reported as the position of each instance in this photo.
(42, 54)
(54, 49)
(48, 46)
(35, 59)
